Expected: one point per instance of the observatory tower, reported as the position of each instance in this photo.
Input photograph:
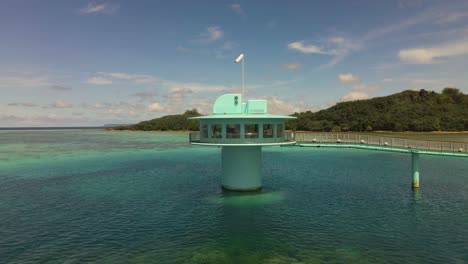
(241, 129)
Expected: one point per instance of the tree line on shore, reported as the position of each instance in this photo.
(166, 123)
(405, 111)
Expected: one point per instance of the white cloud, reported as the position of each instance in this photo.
(215, 33)
(195, 87)
(286, 84)
(25, 104)
(7, 120)
(451, 18)
(98, 81)
(28, 120)
(144, 96)
(430, 55)
(99, 8)
(229, 45)
(366, 88)
(340, 47)
(237, 9)
(136, 78)
(437, 14)
(183, 49)
(102, 105)
(352, 96)
(176, 97)
(337, 46)
(16, 81)
(203, 106)
(117, 109)
(60, 104)
(348, 78)
(293, 65)
(106, 78)
(121, 113)
(155, 107)
(426, 81)
(307, 49)
(212, 33)
(387, 80)
(117, 75)
(283, 106)
(406, 4)
(337, 39)
(60, 88)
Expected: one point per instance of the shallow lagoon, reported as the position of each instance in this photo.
(127, 197)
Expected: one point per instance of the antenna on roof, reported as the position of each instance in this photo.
(239, 59)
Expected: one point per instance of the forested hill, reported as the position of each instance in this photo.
(406, 111)
(165, 123)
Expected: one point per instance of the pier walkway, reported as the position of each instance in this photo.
(380, 143)
(415, 147)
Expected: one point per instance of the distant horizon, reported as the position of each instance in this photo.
(49, 127)
(61, 127)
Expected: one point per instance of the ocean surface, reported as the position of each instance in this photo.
(90, 196)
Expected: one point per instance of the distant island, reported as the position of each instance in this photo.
(405, 111)
(166, 123)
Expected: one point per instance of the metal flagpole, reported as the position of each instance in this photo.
(243, 88)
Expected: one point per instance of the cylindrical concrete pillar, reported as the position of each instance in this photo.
(242, 168)
(415, 169)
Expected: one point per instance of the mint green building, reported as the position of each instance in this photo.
(241, 129)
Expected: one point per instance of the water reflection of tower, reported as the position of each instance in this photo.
(241, 129)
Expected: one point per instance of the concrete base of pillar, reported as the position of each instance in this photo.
(242, 168)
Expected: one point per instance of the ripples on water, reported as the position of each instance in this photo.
(101, 197)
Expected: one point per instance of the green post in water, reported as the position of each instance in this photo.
(415, 169)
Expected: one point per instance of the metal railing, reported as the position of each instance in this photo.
(356, 138)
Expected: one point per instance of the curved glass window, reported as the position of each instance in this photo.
(251, 131)
(279, 130)
(267, 130)
(233, 131)
(204, 131)
(216, 131)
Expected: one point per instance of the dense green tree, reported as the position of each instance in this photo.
(165, 123)
(406, 111)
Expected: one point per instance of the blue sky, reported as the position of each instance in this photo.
(67, 63)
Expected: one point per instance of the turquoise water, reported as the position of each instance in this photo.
(89, 196)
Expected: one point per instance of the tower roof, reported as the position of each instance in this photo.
(230, 106)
